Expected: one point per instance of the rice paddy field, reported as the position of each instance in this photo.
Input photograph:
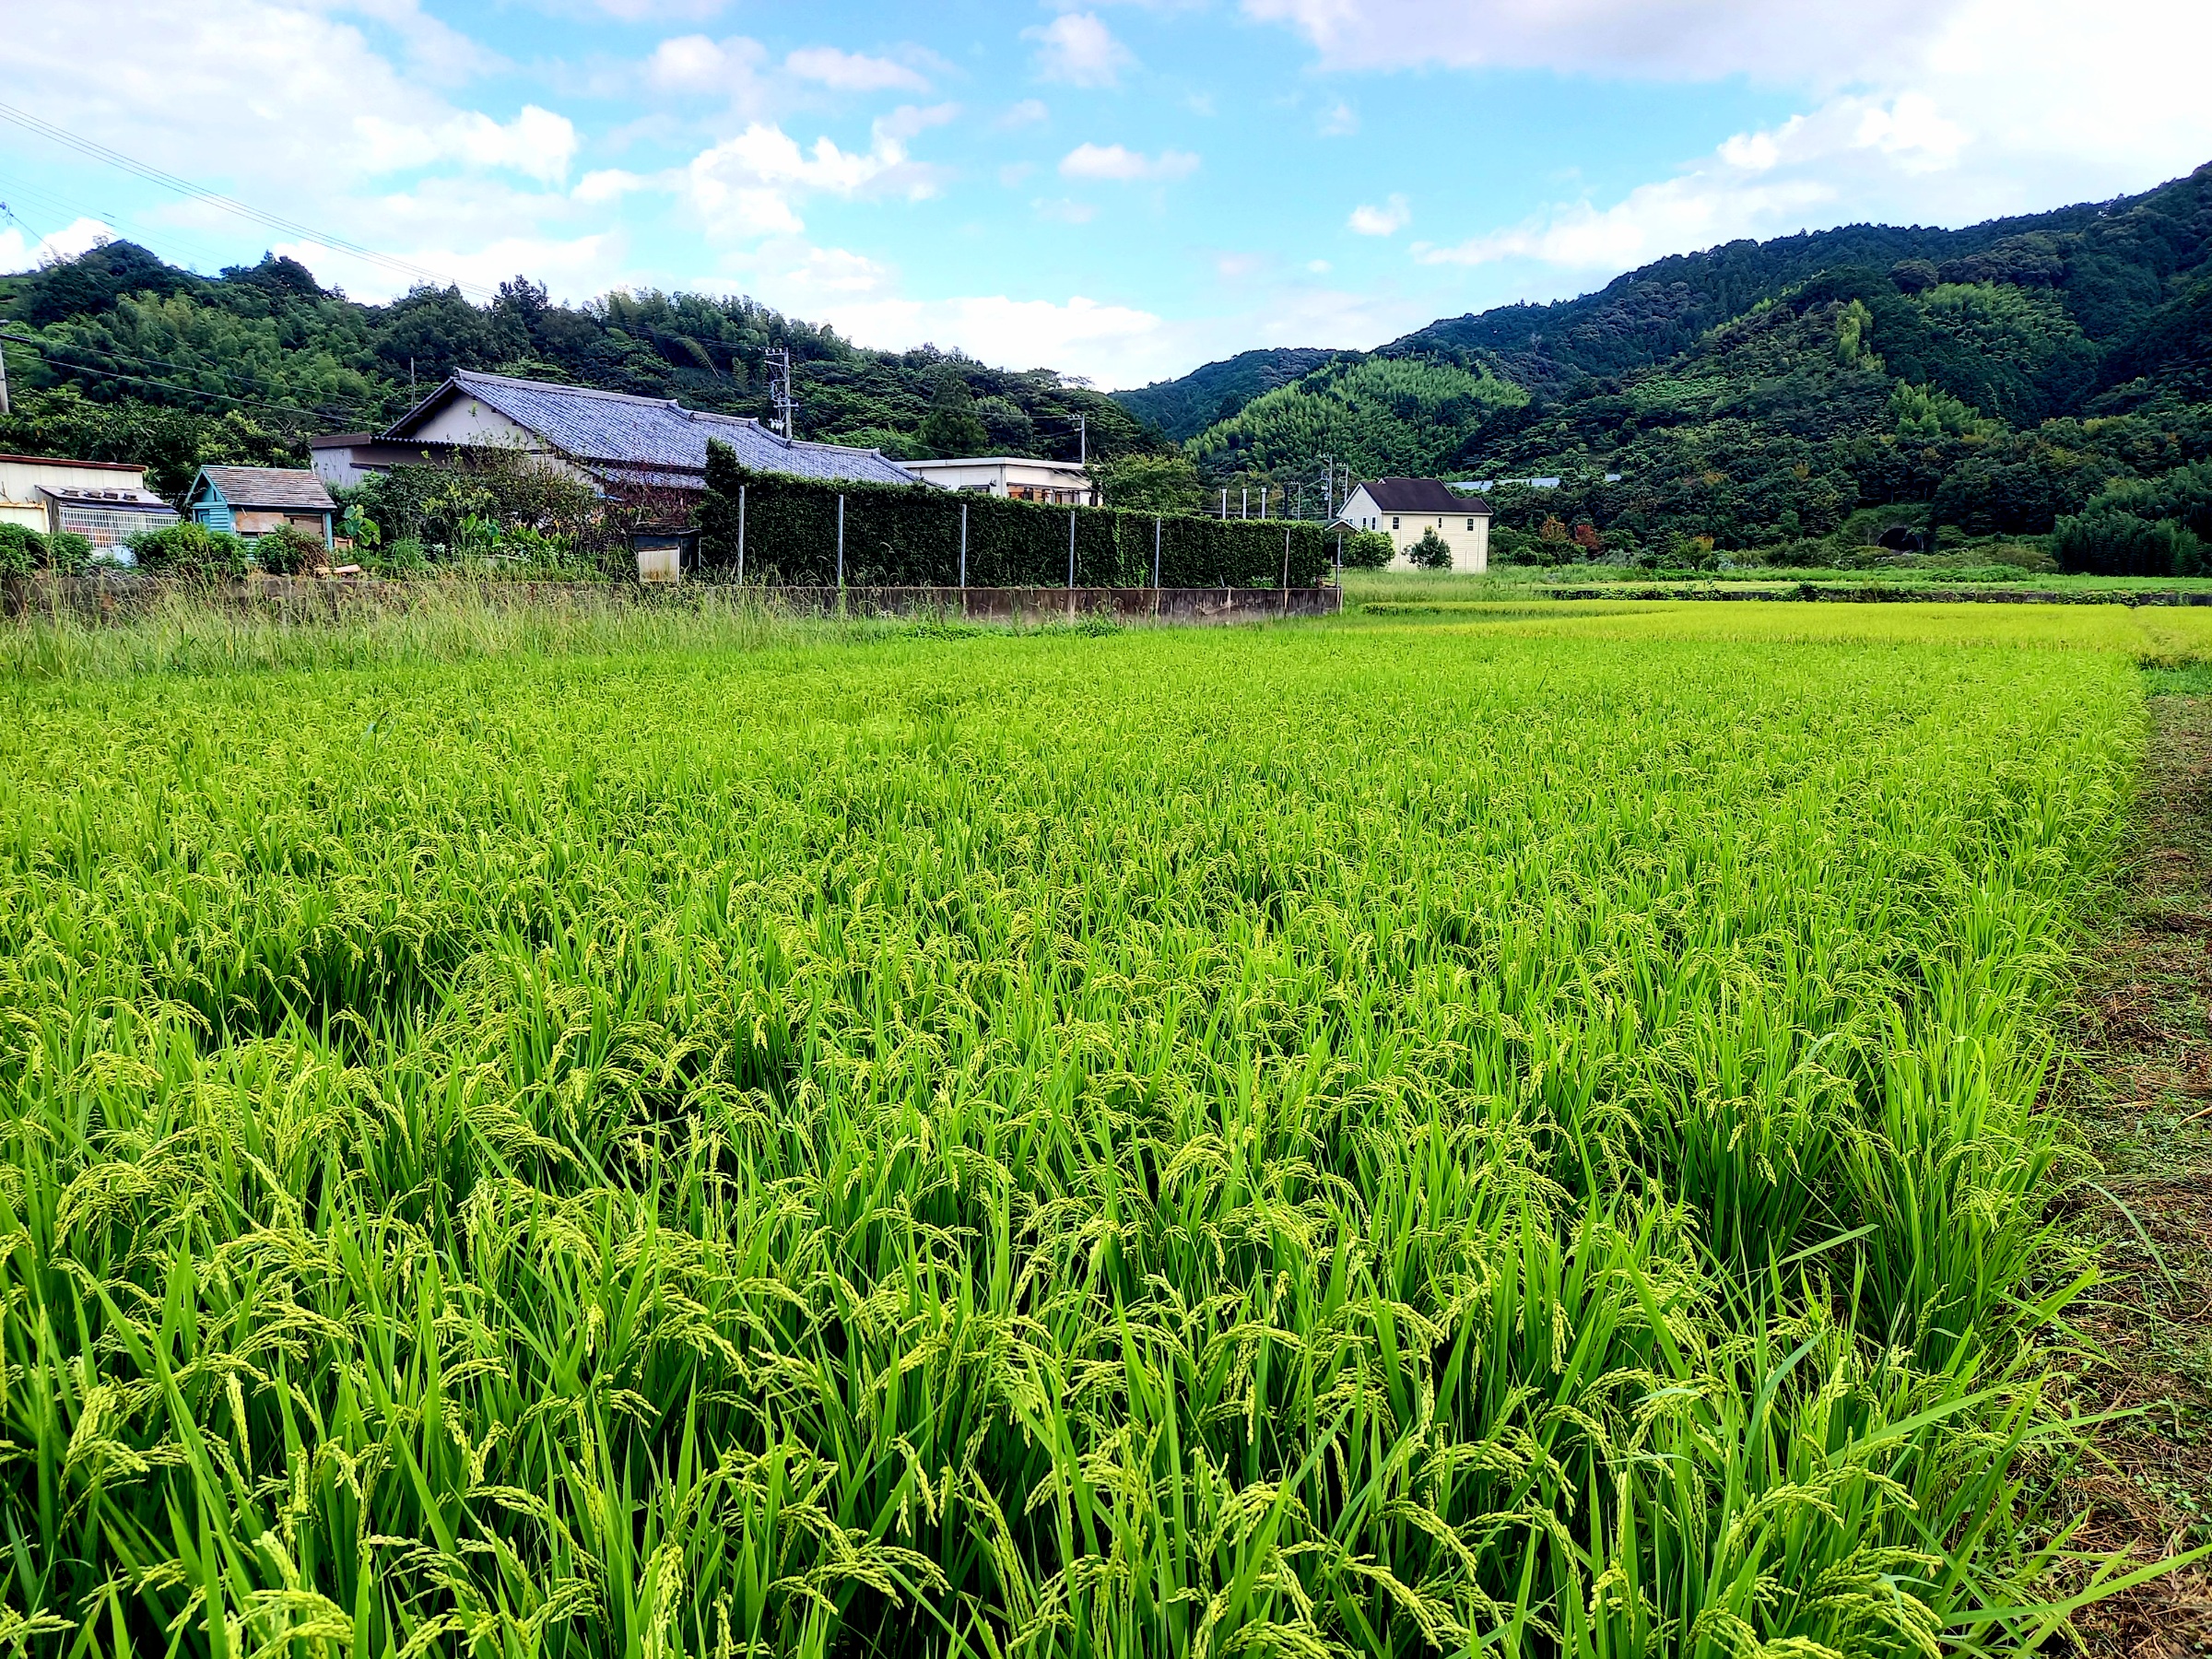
(1526, 1134)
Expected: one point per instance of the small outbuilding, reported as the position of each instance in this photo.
(1015, 477)
(1408, 508)
(104, 502)
(250, 502)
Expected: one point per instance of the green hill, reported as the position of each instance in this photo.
(1985, 382)
(1184, 407)
(139, 360)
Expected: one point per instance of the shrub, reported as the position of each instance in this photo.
(1368, 550)
(910, 535)
(2107, 540)
(22, 550)
(191, 550)
(288, 550)
(1432, 552)
(402, 557)
(67, 553)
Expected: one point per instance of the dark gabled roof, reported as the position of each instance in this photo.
(252, 487)
(623, 438)
(1421, 495)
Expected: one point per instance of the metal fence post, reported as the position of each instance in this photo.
(1156, 554)
(840, 542)
(1286, 572)
(1070, 548)
(740, 535)
(963, 543)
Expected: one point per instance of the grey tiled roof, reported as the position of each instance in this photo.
(270, 486)
(625, 439)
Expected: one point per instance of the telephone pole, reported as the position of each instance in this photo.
(782, 394)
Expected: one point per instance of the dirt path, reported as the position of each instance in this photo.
(2146, 1108)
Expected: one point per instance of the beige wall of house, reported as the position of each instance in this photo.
(465, 420)
(1467, 534)
(20, 477)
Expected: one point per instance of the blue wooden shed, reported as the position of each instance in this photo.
(250, 502)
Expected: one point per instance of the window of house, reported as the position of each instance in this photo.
(1394, 525)
(1470, 523)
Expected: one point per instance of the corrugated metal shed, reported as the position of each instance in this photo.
(626, 440)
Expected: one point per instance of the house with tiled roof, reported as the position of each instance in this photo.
(250, 502)
(621, 444)
(1408, 508)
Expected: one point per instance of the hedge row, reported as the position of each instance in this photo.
(909, 537)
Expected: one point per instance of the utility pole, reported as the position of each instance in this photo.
(1082, 440)
(2, 379)
(782, 394)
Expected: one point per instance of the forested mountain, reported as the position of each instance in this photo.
(139, 360)
(1183, 409)
(1983, 382)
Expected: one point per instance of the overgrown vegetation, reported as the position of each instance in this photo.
(143, 362)
(1163, 1143)
(799, 530)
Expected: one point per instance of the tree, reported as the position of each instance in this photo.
(1368, 550)
(1432, 552)
(952, 427)
(1166, 483)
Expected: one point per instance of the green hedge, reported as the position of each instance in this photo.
(909, 537)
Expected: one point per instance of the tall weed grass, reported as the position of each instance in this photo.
(1304, 1142)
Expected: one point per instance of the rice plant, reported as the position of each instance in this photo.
(1523, 1138)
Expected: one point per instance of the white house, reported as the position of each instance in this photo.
(1058, 483)
(1407, 509)
(104, 502)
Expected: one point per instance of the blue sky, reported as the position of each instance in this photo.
(1122, 191)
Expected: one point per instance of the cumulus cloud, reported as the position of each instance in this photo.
(1805, 40)
(751, 186)
(853, 71)
(19, 252)
(695, 64)
(1339, 121)
(1027, 112)
(537, 144)
(1390, 219)
(1119, 164)
(1947, 111)
(1079, 50)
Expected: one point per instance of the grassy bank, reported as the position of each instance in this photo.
(1334, 1138)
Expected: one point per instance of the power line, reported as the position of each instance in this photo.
(169, 180)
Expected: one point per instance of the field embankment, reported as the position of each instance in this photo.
(1339, 1138)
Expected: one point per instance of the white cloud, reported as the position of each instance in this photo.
(1065, 210)
(283, 101)
(1118, 163)
(607, 184)
(20, 253)
(853, 71)
(1998, 107)
(1014, 173)
(1028, 112)
(651, 11)
(1077, 48)
(537, 144)
(1390, 219)
(695, 64)
(750, 186)
(1803, 41)
(1339, 121)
